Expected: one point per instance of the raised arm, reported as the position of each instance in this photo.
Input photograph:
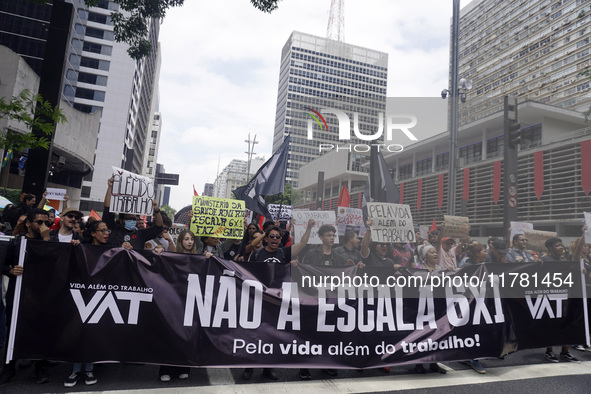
(366, 239)
(298, 247)
(579, 248)
(42, 200)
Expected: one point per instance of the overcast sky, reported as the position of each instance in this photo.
(220, 70)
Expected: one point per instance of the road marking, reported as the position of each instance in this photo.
(220, 376)
(384, 383)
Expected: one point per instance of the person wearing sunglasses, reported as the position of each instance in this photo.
(519, 253)
(37, 225)
(69, 218)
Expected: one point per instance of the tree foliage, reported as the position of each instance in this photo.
(290, 196)
(133, 29)
(170, 211)
(37, 114)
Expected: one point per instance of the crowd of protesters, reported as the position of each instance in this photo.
(271, 244)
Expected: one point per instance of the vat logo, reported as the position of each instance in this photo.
(392, 123)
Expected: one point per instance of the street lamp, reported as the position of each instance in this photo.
(456, 90)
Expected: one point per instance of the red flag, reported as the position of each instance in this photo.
(401, 192)
(440, 192)
(539, 173)
(496, 181)
(344, 197)
(466, 191)
(433, 226)
(586, 166)
(95, 215)
(419, 194)
(194, 191)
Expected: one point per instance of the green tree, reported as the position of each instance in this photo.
(133, 29)
(36, 114)
(289, 195)
(170, 211)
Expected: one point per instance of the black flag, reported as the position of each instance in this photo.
(380, 186)
(269, 180)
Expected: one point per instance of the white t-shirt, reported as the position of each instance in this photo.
(65, 238)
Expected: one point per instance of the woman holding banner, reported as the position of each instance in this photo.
(185, 244)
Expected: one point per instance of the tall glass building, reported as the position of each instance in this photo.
(319, 73)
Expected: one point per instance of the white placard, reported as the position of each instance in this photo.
(350, 219)
(300, 222)
(132, 193)
(285, 213)
(391, 222)
(55, 194)
(519, 228)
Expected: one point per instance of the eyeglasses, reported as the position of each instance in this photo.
(104, 230)
(275, 236)
(41, 222)
(72, 216)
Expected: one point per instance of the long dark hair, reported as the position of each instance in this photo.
(91, 227)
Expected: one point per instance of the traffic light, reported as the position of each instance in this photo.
(514, 134)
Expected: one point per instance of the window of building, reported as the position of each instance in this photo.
(494, 146)
(441, 161)
(405, 171)
(471, 153)
(424, 166)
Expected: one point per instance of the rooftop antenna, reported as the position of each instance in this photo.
(336, 21)
(250, 151)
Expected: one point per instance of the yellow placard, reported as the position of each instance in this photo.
(217, 217)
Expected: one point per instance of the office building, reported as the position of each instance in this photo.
(318, 73)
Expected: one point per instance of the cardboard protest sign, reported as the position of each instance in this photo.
(588, 224)
(391, 222)
(175, 230)
(132, 193)
(537, 238)
(217, 217)
(424, 231)
(455, 226)
(519, 228)
(300, 223)
(350, 219)
(285, 213)
(248, 216)
(55, 194)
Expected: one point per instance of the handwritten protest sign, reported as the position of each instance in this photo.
(350, 219)
(285, 213)
(55, 194)
(248, 216)
(537, 238)
(132, 193)
(300, 223)
(519, 228)
(455, 226)
(391, 222)
(218, 217)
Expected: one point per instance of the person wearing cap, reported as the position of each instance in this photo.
(68, 219)
(519, 253)
(497, 251)
(447, 253)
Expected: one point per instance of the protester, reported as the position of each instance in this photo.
(402, 255)
(429, 258)
(163, 238)
(475, 254)
(519, 253)
(447, 252)
(185, 244)
(272, 253)
(324, 254)
(254, 246)
(37, 225)
(497, 251)
(123, 231)
(69, 218)
(349, 251)
(374, 253)
(556, 253)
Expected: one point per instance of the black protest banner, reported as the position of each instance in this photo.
(90, 303)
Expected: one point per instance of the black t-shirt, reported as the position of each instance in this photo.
(376, 261)
(280, 256)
